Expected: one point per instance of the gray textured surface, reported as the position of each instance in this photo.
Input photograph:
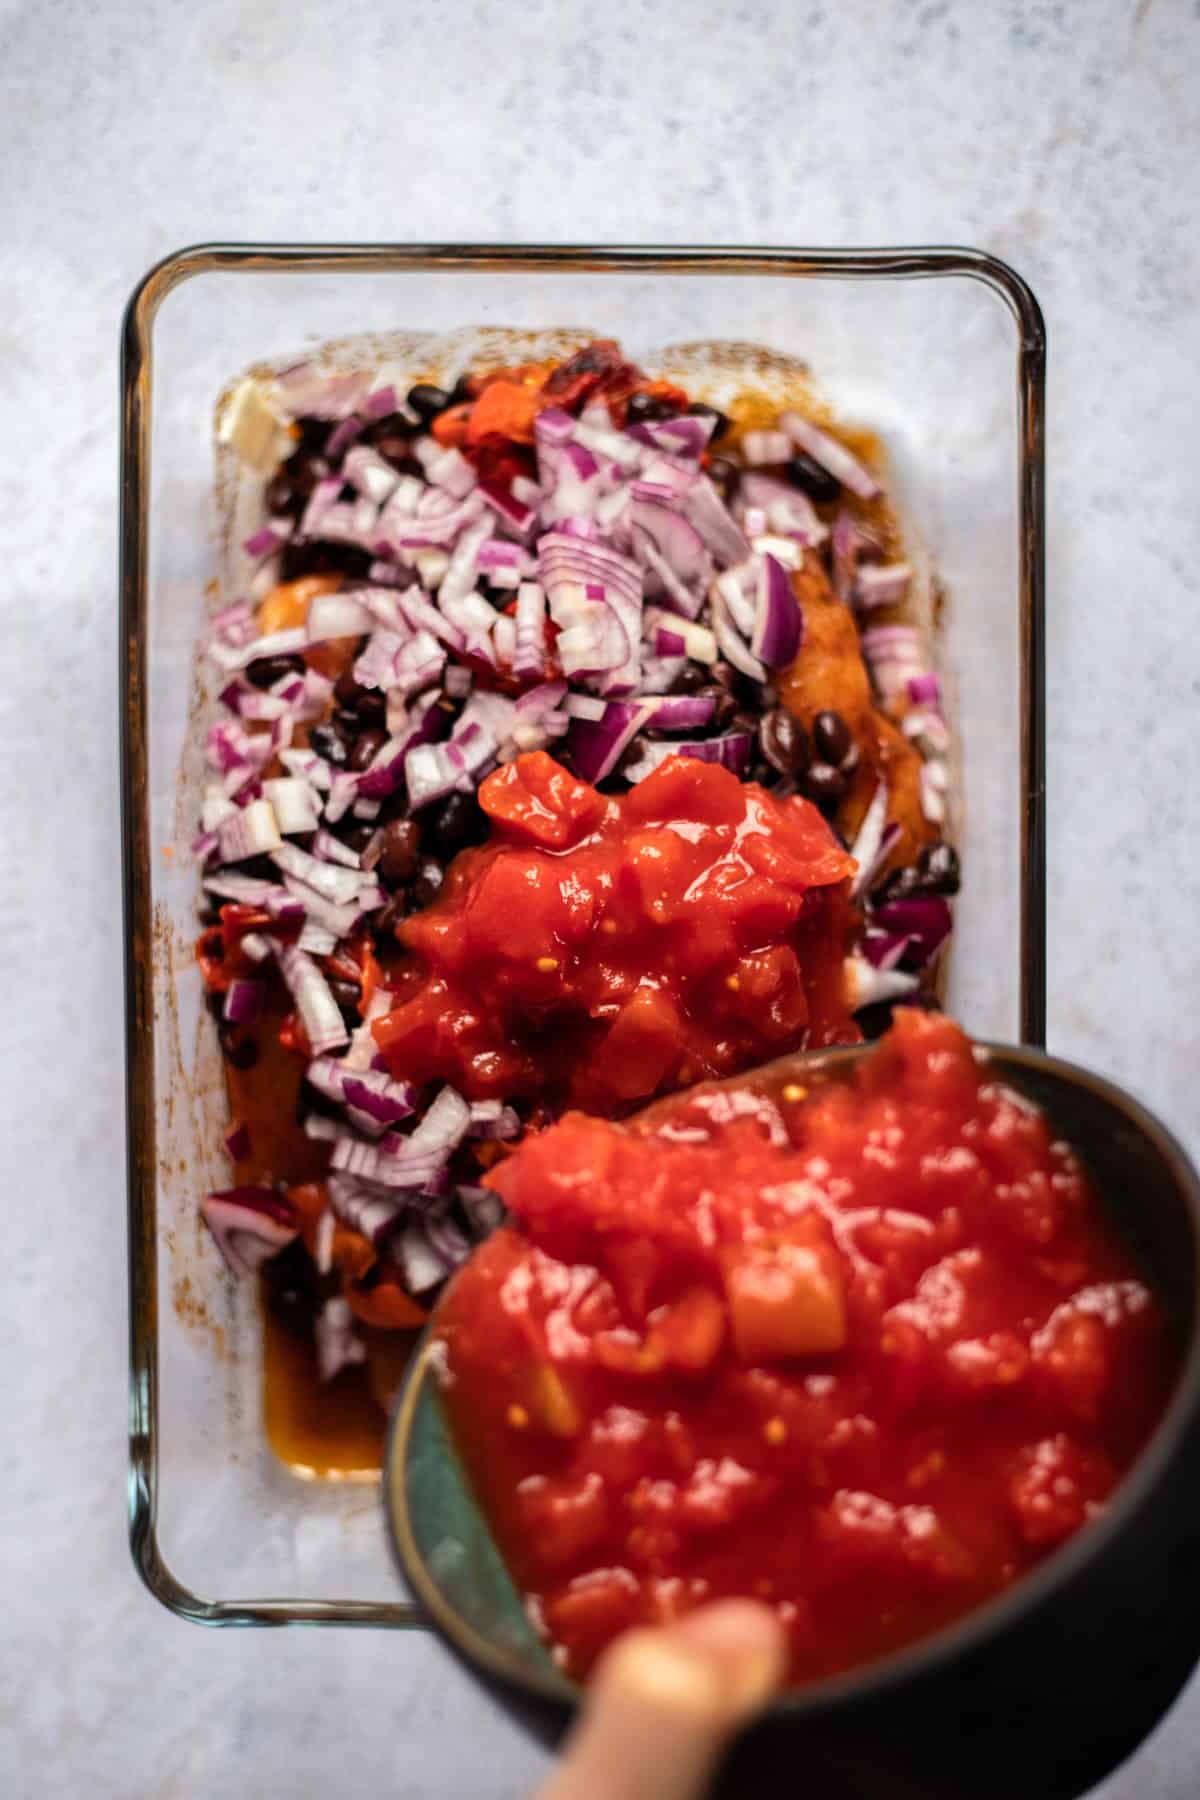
(1062, 136)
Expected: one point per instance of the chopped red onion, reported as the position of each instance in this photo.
(934, 780)
(256, 946)
(338, 1344)
(596, 746)
(342, 436)
(370, 474)
(296, 805)
(235, 626)
(336, 615)
(422, 1267)
(250, 1225)
(269, 538)
(868, 847)
(237, 1142)
(882, 584)
(493, 1119)
(766, 447)
(778, 623)
(867, 985)
(319, 1011)
(316, 940)
(925, 690)
(328, 848)
(484, 1209)
(518, 514)
(729, 639)
(732, 751)
(529, 654)
(832, 455)
(681, 712)
(924, 918)
(243, 1001)
(251, 832)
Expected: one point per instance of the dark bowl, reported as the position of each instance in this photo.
(1038, 1694)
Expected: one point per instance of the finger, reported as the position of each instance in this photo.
(663, 1705)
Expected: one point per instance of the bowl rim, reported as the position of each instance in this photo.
(886, 1676)
(880, 263)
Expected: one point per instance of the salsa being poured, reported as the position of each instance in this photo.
(578, 742)
(867, 1350)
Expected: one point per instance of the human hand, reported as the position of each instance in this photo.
(663, 1704)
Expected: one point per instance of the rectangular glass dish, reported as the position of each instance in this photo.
(940, 351)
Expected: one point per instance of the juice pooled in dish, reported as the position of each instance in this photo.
(577, 743)
(867, 1351)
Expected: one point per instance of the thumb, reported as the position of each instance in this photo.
(663, 1705)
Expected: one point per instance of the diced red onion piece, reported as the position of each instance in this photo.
(422, 1267)
(250, 1225)
(296, 805)
(338, 1344)
(882, 584)
(925, 690)
(237, 1141)
(681, 712)
(868, 843)
(243, 1001)
(867, 985)
(493, 1119)
(732, 751)
(832, 455)
(596, 746)
(327, 848)
(483, 1208)
(924, 918)
(251, 832)
(766, 447)
(779, 623)
(336, 615)
(316, 940)
(319, 1011)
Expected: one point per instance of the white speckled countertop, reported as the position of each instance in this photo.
(1062, 134)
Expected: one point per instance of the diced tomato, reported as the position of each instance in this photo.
(534, 799)
(1057, 1487)
(286, 606)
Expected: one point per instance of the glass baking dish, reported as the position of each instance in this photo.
(941, 350)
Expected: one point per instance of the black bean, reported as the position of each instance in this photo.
(265, 670)
(367, 705)
(310, 558)
(831, 737)
(459, 821)
(214, 999)
(399, 851)
(347, 994)
(428, 883)
(367, 746)
(303, 471)
(385, 921)
(207, 917)
(806, 473)
(357, 833)
(460, 393)
(395, 449)
(260, 867)
(238, 1049)
(823, 785)
(293, 1289)
(426, 400)
(408, 465)
(281, 496)
(700, 409)
(724, 705)
(641, 409)
(784, 741)
(313, 432)
(726, 474)
(693, 678)
(326, 742)
(901, 884)
(939, 868)
(393, 424)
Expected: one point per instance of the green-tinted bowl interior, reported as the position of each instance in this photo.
(441, 1537)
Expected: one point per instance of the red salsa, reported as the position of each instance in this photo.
(868, 1350)
(601, 948)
